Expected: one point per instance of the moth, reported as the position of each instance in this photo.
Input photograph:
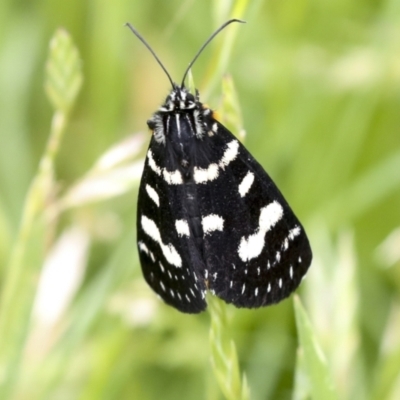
(209, 217)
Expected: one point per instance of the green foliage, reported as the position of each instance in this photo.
(63, 72)
(315, 85)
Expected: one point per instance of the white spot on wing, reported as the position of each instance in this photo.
(243, 287)
(294, 232)
(173, 177)
(230, 153)
(152, 163)
(161, 267)
(182, 227)
(256, 291)
(203, 175)
(153, 194)
(291, 272)
(212, 222)
(246, 183)
(144, 249)
(252, 246)
(285, 244)
(169, 251)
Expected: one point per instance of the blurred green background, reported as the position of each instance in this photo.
(318, 84)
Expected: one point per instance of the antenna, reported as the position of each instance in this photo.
(205, 44)
(137, 34)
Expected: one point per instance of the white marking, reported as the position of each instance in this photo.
(246, 183)
(294, 232)
(195, 276)
(187, 298)
(203, 175)
(285, 244)
(169, 274)
(244, 286)
(245, 271)
(233, 266)
(256, 292)
(143, 247)
(180, 298)
(158, 131)
(196, 287)
(191, 291)
(280, 283)
(172, 293)
(258, 270)
(197, 122)
(162, 286)
(153, 164)
(206, 274)
(278, 256)
(153, 195)
(212, 222)
(214, 127)
(215, 275)
(299, 260)
(230, 153)
(231, 284)
(169, 251)
(178, 124)
(269, 287)
(268, 265)
(203, 294)
(252, 246)
(291, 272)
(162, 267)
(182, 227)
(172, 177)
(176, 278)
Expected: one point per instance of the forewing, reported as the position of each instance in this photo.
(256, 250)
(169, 258)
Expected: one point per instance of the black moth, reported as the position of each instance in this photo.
(209, 217)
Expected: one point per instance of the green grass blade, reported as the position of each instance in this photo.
(315, 364)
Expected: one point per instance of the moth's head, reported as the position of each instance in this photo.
(180, 100)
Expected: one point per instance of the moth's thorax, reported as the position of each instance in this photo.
(181, 118)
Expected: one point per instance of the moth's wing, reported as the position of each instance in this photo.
(170, 262)
(262, 253)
